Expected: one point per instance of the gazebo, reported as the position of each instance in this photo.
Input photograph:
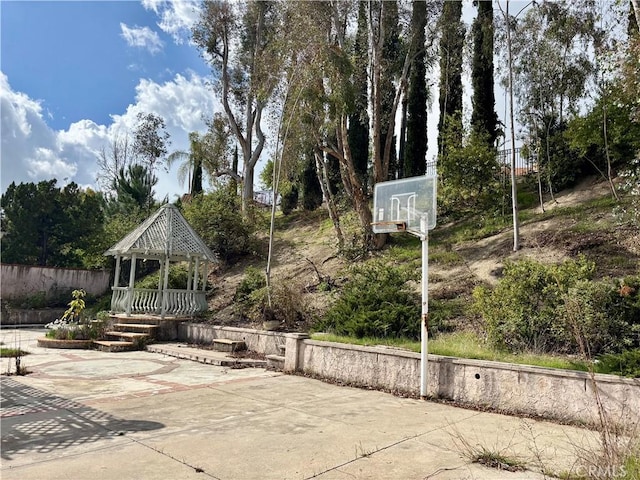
(167, 238)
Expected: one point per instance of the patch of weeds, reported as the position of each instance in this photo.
(445, 257)
(498, 461)
(497, 458)
(12, 352)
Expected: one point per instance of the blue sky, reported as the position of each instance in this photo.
(74, 73)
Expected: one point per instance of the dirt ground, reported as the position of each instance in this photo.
(305, 255)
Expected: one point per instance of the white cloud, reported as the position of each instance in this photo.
(142, 37)
(177, 17)
(32, 151)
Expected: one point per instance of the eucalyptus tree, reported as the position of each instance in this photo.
(359, 120)
(150, 140)
(237, 39)
(552, 65)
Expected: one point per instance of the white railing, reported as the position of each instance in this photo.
(175, 302)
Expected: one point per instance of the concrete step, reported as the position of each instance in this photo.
(275, 362)
(128, 335)
(230, 346)
(136, 327)
(209, 357)
(114, 346)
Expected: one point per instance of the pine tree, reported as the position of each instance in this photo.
(416, 143)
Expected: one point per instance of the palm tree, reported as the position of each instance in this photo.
(193, 160)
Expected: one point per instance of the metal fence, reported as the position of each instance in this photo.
(524, 164)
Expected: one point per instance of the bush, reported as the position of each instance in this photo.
(376, 302)
(254, 279)
(178, 277)
(626, 364)
(520, 312)
(217, 219)
(602, 317)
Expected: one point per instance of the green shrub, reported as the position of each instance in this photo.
(254, 279)
(602, 317)
(626, 364)
(376, 302)
(178, 278)
(520, 312)
(217, 219)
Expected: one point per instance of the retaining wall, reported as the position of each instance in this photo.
(19, 281)
(18, 317)
(546, 392)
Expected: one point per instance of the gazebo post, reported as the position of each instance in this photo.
(165, 298)
(116, 279)
(190, 273)
(132, 279)
(195, 274)
(160, 290)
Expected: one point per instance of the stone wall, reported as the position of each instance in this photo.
(541, 392)
(21, 281)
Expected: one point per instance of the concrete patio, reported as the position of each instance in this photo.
(83, 414)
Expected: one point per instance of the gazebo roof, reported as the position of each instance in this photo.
(166, 232)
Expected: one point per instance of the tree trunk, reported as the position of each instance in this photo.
(323, 178)
(514, 187)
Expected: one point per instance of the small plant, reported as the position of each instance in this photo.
(73, 314)
(497, 460)
(12, 352)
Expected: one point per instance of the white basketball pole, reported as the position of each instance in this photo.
(424, 336)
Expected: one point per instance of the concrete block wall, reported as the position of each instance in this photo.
(20, 281)
(545, 392)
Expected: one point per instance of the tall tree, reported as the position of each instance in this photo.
(49, 226)
(416, 144)
(484, 120)
(111, 158)
(150, 140)
(193, 160)
(238, 48)
(134, 188)
(552, 66)
(359, 119)
(450, 101)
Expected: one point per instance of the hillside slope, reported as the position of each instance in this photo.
(579, 222)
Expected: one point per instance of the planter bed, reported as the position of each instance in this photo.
(55, 343)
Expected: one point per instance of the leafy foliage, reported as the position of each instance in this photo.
(216, 218)
(178, 277)
(626, 364)
(469, 175)
(557, 308)
(520, 312)
(602, 316)
(377, 302)
(254, 279)
(48, 226)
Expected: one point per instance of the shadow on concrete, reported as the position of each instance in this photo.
(33, 420)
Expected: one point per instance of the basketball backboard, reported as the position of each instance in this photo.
(406, 204)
